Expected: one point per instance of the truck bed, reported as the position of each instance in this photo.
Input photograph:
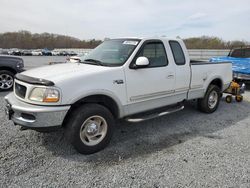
(204, 72)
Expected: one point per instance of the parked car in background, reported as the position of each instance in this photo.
(55, 52)
(76, 59)
(240, 58)
(64, 53)
(5, 52)
(46, 52)
(16, 52)
(36, 52)
(26, 53)
(72, 53)
(9, 66)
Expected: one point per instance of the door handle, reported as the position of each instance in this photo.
(170, 76)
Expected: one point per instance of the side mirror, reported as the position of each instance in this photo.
(141, 62)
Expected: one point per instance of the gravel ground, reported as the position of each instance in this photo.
(184, 149)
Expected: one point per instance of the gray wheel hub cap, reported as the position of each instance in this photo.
(212, 99)
(6, 81)
(93, 130)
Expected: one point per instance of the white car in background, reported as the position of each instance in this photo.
(36, 52)
(55, 53)
(76, 59)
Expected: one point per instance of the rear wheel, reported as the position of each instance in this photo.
(6, 80)
(90, 128)
(211, 100)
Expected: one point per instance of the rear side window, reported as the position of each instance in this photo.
(237, 53)
(177, 53)
(247, 53)
(155, 52)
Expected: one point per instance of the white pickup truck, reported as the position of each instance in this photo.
(131, 78)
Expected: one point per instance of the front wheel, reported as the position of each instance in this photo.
(90, 128)
(211, 100)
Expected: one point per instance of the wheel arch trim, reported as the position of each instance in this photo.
(104, 93)
(217, 80)
(4, 68)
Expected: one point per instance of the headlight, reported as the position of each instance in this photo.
(44, 95)
(20, 65)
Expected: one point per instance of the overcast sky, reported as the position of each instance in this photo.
(86, 19)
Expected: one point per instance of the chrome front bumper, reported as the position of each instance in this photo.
(34, 116)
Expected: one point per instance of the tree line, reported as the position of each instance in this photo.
(27, 40)
(206, 42)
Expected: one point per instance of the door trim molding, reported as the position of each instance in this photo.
(182, 89)
(151, 95)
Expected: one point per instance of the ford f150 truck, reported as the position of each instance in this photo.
(131, 78)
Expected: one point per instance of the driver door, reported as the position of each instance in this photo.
(156, 81)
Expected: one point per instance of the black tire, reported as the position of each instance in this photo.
(2, 85)
(75, 124)
(229, 99)
(203, 104)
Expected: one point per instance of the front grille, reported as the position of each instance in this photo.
(20, 90)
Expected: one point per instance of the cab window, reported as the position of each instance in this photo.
(177, 53)
(239, 53)
(247, 53)
(155, 52)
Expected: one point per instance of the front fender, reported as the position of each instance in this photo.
(100, 92)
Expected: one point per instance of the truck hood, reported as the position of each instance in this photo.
(60, 72)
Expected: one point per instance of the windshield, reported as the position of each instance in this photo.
(111, 52)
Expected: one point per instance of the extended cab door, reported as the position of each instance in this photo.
(155, 81)
(183, 72)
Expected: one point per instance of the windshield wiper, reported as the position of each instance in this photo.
(94, 62)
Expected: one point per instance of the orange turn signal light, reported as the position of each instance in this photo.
(50, 99)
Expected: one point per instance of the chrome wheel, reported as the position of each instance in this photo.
(93, 130)
(212, 99)
(6, 81)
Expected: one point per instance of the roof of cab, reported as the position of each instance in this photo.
(148, 38)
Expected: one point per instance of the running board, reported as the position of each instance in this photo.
(158, 113)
